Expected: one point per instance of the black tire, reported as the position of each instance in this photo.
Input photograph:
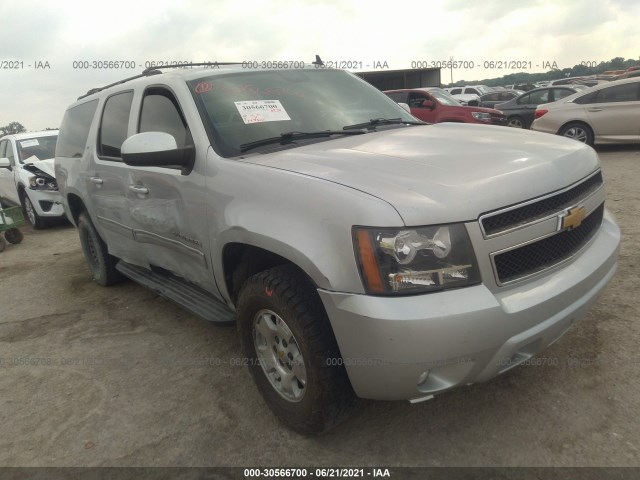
(101, 265)
(30, 213)
(578, 131)
(3, 243)
(13, 235)
(516, 122)
(326, 397)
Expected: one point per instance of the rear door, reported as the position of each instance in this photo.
(107, 183)
(614, 113)
(528, 103)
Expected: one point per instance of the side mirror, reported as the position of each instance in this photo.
(156, 149)
(473, 103)
(405, 106)
(430, 104)
(5, 163)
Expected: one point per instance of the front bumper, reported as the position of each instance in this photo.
(397, 348)
(46, 203)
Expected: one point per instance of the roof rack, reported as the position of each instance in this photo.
(156, 71)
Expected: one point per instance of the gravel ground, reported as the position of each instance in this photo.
(117, 376)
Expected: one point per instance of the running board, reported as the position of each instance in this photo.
(187, 295)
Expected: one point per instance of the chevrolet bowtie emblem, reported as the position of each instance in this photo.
(573, 218)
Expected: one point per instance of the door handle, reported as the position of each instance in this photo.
(594, 110)
(139, 189)
(96, 180)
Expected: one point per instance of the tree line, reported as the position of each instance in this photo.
(581, 70)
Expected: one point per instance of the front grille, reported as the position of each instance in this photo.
(548, 206)
(545, 253)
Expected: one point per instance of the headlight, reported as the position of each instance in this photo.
(420, 260)
(485, 117)
(40, 182)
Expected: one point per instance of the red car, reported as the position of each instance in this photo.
(434, 105)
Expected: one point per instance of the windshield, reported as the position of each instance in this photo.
(444, 97)
(245, 107)
(42, 148)
(482, 89)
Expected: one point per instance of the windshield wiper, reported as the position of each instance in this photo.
(382, 121)
(289, 137)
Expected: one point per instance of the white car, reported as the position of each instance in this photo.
(27, 176)
(468, 93)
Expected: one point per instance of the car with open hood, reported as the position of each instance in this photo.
(360, 251)
(27, 176)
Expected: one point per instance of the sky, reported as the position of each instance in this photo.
(62, 37)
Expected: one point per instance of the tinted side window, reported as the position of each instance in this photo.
(160, 113)
(416, 99)
(620, 93)
(456, 91)
(524, 99)
(74, 130)
(559, 93)
(471, 91)
(541, 96)
(3, 144)
(397, 97)
(588, 98)
(9, 153)
(115, 121)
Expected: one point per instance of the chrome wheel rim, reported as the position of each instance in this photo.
(279, 355)
(31, 213)
(577, 133)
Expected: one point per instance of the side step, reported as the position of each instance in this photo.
(189, 296)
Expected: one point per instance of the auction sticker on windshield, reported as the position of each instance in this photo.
(29, 143)
(258, 111)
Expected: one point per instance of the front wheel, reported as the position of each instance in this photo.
(101, 264)
(291, 351)
(579, 132)
(34, 219)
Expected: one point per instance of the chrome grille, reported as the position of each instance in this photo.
(542, 254)
(501, 221)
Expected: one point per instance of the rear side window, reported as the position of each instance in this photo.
(456, 91)
(397, 96)
(74, 130)
(627, 92)
(559, 93)
(114, 125)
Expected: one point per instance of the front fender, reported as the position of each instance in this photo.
(304, 219)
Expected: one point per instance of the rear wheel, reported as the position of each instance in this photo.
(291, 352)
(516, 122)
(101, 264)
(3, 243)
(578, 131)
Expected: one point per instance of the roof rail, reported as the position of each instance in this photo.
(155, 71)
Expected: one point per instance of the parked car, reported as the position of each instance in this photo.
(629, 74)
(468, 95)
(27, 175)
(435, 105)
(525, 87)
(362, 252)
(520, 110)
(490, 100)
(607, 113)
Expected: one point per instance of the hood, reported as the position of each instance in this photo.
(46, 166)
(444, 172)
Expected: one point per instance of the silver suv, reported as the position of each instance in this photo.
(361, 252)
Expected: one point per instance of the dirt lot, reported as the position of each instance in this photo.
(117, 376)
